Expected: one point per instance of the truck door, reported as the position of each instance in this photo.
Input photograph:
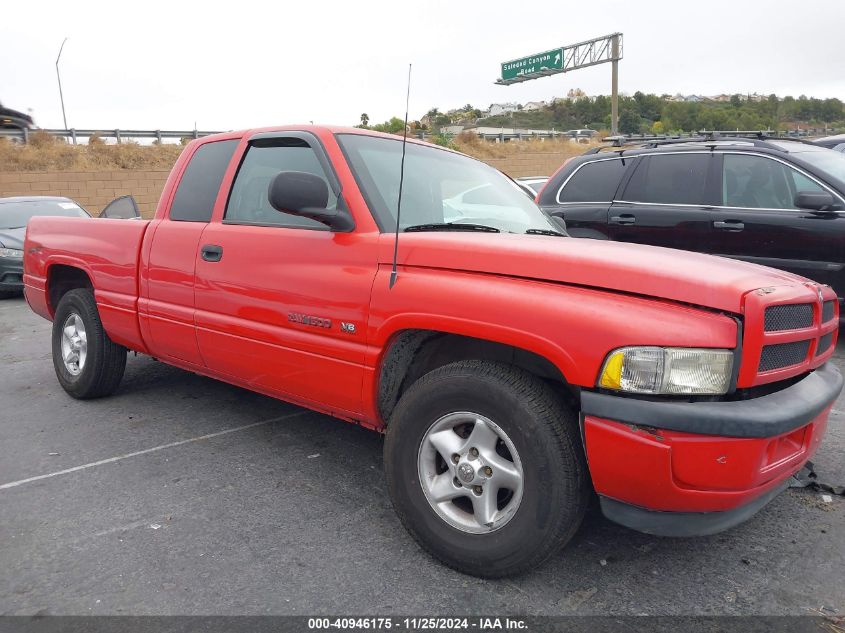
(667, 202)
(281, 300)
(757, 220)
(166, 307)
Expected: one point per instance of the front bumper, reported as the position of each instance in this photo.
(11, 274)
(663, 467)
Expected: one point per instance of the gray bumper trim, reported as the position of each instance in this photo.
(766, 416)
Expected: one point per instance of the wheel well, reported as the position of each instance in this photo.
(61, 279)
(414, 353)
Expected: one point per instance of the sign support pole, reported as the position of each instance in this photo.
(614, 86)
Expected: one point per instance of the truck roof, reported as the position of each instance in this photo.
(315, 128)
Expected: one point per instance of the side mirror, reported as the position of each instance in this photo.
(560, 222)
(307, 195)
(122, 208)
(821, 201)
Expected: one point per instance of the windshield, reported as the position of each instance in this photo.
(826, 160)
(439, 187)
(15, 215)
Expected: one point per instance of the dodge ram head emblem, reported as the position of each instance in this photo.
(821, 296)
(466, 473)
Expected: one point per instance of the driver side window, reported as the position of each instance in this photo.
(248, 201)
(756, 182)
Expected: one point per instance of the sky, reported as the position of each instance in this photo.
(221, 66)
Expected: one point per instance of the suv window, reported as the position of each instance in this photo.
(248, 201)
(595, 181)
(197, 191)
(757, 182)
(669, 179)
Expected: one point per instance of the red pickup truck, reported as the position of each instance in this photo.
(514, 371)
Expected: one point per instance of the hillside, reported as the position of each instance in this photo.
(649, 113)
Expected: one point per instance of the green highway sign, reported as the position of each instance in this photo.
(550, 60)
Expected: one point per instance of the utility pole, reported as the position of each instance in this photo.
(58, 75)
(614, 85)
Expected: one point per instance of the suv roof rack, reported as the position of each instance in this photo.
(757, 138)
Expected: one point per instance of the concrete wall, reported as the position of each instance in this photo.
(95, 189)
(529, 163)
(92, 189)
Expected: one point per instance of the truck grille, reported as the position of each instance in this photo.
(783, 355)
(824, 344)
(787, 332)
(790, 317)
(827, 311)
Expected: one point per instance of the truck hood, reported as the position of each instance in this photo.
(12, 238)
(703, 280)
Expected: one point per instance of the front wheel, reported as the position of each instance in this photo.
(88, 363)
(485, 468)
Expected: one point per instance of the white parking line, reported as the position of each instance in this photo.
(13, 484)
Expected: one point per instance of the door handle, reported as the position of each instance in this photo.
(625, 218)
(729, 225)
(212, 252)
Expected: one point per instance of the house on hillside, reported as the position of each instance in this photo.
(502, 108)
(534, 105)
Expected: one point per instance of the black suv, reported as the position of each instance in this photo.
(775, 202)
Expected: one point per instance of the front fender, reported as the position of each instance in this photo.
(572, 327)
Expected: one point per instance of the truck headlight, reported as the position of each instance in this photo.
(668, 370)
(12, 253)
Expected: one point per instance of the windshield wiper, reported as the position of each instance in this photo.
(10, 228)
(545, 232)
(448, 226)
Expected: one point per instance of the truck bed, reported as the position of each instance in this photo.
(106, 250)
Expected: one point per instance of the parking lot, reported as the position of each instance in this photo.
(189, 496)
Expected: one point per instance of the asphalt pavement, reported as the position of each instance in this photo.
(183, 495)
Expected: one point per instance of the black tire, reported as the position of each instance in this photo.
(545, 434)
(8, 294)
(105, 360)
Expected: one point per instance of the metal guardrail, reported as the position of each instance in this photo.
(74, 134)
(523, 135)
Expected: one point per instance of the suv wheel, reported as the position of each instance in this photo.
(485, 468)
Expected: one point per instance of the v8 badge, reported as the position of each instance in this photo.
(349, 328)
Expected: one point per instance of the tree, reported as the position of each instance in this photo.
(629, 121)
(393, 126)
(365, 120)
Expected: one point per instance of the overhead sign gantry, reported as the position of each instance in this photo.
(599, 50)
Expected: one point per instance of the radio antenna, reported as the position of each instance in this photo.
(393, 273)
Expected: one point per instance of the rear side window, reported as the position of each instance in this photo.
(594, 182)
(669, 179)
(197, 191)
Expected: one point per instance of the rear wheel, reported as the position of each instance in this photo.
(88, 363)
(485, 468)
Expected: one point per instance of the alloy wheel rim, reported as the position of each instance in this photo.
(74, 344)
(470, 472)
